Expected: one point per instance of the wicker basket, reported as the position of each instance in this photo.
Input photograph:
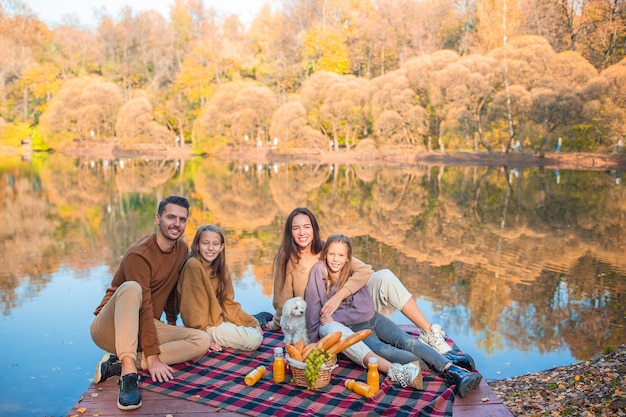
(297, 370)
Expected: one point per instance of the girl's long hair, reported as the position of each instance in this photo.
(218, 266)
(345, 272)
(289, 250)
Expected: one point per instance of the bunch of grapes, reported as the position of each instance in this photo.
(314, 363)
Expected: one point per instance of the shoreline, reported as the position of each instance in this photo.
(596, 387)
(561, 160)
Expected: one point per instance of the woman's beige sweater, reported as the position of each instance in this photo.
(297, 277)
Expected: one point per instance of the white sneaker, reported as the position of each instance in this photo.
(436, 339)
(409, 374)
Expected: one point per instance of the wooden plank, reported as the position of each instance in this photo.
(101, 400)
(483, 402)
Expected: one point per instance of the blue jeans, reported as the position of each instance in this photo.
(394, 344)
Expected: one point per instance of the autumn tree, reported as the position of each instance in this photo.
(288, 123)
(520, 105)
(337, 107)
(555, 107)
(190, 20)
(611, 94)
(572, 67)
(238, 114)
(370, 40)
(22, 42)
(136, 124)
(604, 26)
(75, 52)
(477, 78)
(398, 119)
(527, 58)
(40, 82)
(325, 49)
(84, 110)
(426, 76)
(13, 60)
(252, 116)
(497, 20)
(433, 25)
(136, 50)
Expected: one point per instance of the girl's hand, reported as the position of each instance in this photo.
(326, 318)
(331, 305)
(260, 330)
(215, 347)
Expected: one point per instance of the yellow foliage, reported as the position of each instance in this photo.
(12, 134)
(326, 50)
(42, 80)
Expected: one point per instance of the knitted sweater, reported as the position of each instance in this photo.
(199, 307)
(356, 308)
(157, 273)
(297, 277)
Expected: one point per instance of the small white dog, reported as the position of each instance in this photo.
(293, 321)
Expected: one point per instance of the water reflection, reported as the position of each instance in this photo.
(512, 262)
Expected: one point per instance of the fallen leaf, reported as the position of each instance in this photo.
(94, 394)
(485, 399)
(81, 410)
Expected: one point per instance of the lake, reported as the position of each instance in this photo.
(523, 267)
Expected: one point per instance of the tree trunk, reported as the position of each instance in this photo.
(506, 83)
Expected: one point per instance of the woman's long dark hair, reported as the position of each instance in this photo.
(289, 250)
(218, 266)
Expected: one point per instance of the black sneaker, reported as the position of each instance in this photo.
(462, 360)
(108, 366)
(130, 397)
(263, 318)
(465, 381)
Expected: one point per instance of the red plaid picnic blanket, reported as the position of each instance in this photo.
(217, 379)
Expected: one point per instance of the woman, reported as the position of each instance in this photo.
(207, 297)
(357, 313)
(299, 251)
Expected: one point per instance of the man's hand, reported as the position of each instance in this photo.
(159, 371)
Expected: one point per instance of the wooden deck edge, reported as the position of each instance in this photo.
(101, 401)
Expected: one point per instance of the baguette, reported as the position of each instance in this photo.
(349, 341)
(293, 352)
(328, 340)
(308, 349)
(299, 346)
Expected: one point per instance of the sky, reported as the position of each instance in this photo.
(52, 12)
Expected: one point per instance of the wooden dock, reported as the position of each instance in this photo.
(101, 400)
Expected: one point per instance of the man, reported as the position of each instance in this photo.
(128, 318)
